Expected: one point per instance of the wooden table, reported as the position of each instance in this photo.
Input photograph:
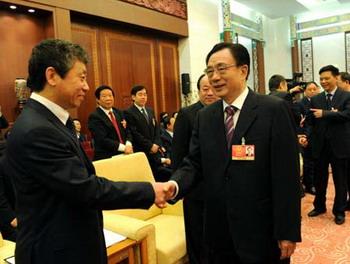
(122, 251)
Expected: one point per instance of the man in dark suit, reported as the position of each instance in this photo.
(3, 124)
(252, 204)
(193, 203)
(108, 126)
(311, 90)
(59, 197)
(145, 129)
(329, 120)
(77, 125)
(8, 220)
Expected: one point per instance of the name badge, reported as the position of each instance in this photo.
(243, 152)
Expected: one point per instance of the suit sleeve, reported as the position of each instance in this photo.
(188, 175)
(156, 131)
(341, 115)
(100, 133)
(285, 177)
(127, 129)
(7, 213)
(180, 144)
(56, 165)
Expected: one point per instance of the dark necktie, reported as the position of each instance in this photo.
(115, 124)
(71, 127)
(329, 101)
(230, 111)
(144, 114)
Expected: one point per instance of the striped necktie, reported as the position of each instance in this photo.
(230, 111)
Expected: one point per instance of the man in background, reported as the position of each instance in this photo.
(329, 126)
(145, 131)
(311, 90)
(344, 81)
(59, 197)
(108, 126)
(193, 203)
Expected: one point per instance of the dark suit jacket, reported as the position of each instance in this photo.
(252, 202)
(144, 134)
(167, 142)
(333, 126)
(59, 197)
(3, 122)
(7, 205)
(105, 137)
(181, 142)
(303, 108)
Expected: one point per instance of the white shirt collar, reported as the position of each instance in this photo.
(57, 110)
(106, 111)
(139, 107)
(238, 103)
(332, 92)
(170, 133)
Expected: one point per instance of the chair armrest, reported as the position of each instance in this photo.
(134, 229)
(174, 209)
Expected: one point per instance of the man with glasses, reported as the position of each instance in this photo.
(252, 204)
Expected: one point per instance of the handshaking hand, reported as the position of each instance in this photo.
(164, 191)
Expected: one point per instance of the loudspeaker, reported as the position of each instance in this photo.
(185, 83)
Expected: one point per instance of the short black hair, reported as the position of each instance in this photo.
(312, 82)
(100, 89)
(344, 76)
(56, 53)
(166, 121)
(334, 70)
(199, 81)
(275, 81)
(238, 52)
(137, 88)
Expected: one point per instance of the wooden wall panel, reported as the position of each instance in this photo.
(88, 39)
(169, 74)
(130, 61)
(15, 48)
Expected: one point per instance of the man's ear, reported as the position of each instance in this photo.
(51, 76)
(133, 97)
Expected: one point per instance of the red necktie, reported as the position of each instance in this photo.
(114, 122)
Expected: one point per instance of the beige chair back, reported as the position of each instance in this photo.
(133, 167)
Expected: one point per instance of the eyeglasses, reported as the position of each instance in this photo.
(221, 69)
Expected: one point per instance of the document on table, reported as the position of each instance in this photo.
(112, 238)
(10, 260)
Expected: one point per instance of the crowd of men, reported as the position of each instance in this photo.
(233, 156)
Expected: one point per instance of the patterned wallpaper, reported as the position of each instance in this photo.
(347, 50)
(307, 60)
(176, 8)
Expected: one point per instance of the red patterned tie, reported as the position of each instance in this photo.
(114, 122)
(230, 111)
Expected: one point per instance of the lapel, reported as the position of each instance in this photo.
(336, 99)
(104, 117)
(246, 117)
(63, 129)
(218, 124)
(140, 115)
(323, 101)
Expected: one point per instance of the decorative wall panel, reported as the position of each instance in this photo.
(307, 60)
(176, 8)
(347, 51)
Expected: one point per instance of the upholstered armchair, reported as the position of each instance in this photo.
(7, 249)
(162, 229)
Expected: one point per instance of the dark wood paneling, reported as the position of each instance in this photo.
(130, 61)
(19, 34)
(87, 38)
(169, 92)
(261, 67)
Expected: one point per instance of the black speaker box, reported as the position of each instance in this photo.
(185, 83)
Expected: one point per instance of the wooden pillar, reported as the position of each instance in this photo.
(295, 56)
(226, 13)
(62, 24)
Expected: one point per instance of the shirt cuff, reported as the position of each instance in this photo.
(121, 147)
(176, 189)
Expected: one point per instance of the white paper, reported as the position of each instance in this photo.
(10, 260)
(112, 238)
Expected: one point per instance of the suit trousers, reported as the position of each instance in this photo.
(308, 167)
(194, 215)
(339, 171)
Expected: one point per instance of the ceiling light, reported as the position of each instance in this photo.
(13, 7)
(31, 10)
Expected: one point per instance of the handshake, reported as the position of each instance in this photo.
(164, 191)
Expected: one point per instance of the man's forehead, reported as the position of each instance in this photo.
(221, 56)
